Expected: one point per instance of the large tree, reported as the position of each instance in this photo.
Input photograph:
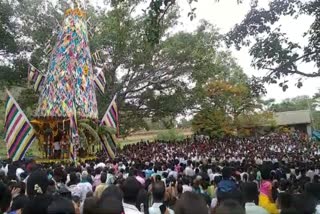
(228, 106)
(152, 79)
(271, 48)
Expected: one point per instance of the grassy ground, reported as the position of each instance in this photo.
(136, 137)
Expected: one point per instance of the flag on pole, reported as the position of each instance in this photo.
(96, 57)
(39, 82)
(48, 49)
(111, 118)
(73, 134)
(36, 76)
(100, 81)
(105, 140)
(19, 133)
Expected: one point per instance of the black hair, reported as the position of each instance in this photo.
(37, 183)
(304, 203)
(250, 192)
(130, 189)
(5, 197)
(61, 205)
(109, 206)
(158, 191)
(103, 177)
(186, 204)
(284, 200)
(112, 191)
(230, 207)
(226, 172)
(89, 205)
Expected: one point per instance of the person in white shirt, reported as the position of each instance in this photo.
(250, 192)
(189, 171)
(84, 186)
(130, 189)
(158, 193)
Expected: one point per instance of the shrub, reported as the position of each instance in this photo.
(170, 135)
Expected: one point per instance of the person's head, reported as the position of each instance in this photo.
(226, 173)
(89, 205)
(230, 207)
(61, 205)
(304, 203)
(191, 203)
(250, 192)
(5, 198)
(130, 189)
(158, 191)
(284, 201)
(112, 191)
(103, 177)
(37, 183)
(74, 179)
(313, 189)
(109, 206)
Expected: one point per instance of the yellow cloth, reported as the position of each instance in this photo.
(99, 190)
(265, 202)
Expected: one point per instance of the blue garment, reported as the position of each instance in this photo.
(148, 173)
(227, 186)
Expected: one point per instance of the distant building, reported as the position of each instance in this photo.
(295, 120)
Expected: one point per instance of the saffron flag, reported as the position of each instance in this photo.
(19, 133)
(100, 81)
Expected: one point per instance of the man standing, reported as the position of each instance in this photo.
(57, 149)
(158, 193)
(250, 191)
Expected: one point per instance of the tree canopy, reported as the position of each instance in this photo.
(158, 80)
(271, 48)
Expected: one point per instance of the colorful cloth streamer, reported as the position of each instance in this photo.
(70, 78)
(100, 81)
(19, 133)
(73, 134)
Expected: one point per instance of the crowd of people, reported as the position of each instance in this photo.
(276, 174)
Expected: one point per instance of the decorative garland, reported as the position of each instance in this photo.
(76, 12)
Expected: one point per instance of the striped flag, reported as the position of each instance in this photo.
(111, 116)
(110, 119)
(106, 141)
(36, 76)
(19, 133)
(96, 57)
(74, 133)
(48, 49)
(100, 81)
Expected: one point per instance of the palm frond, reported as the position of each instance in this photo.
(83, 139)
(104, 130)
(91, 131)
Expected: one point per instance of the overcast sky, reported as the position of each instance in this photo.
(227, 13)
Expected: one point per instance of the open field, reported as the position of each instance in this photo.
(149, 135)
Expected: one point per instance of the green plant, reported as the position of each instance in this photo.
(170, 135)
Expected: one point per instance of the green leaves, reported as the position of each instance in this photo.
(271, 49)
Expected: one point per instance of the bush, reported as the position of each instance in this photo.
(170, 135)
